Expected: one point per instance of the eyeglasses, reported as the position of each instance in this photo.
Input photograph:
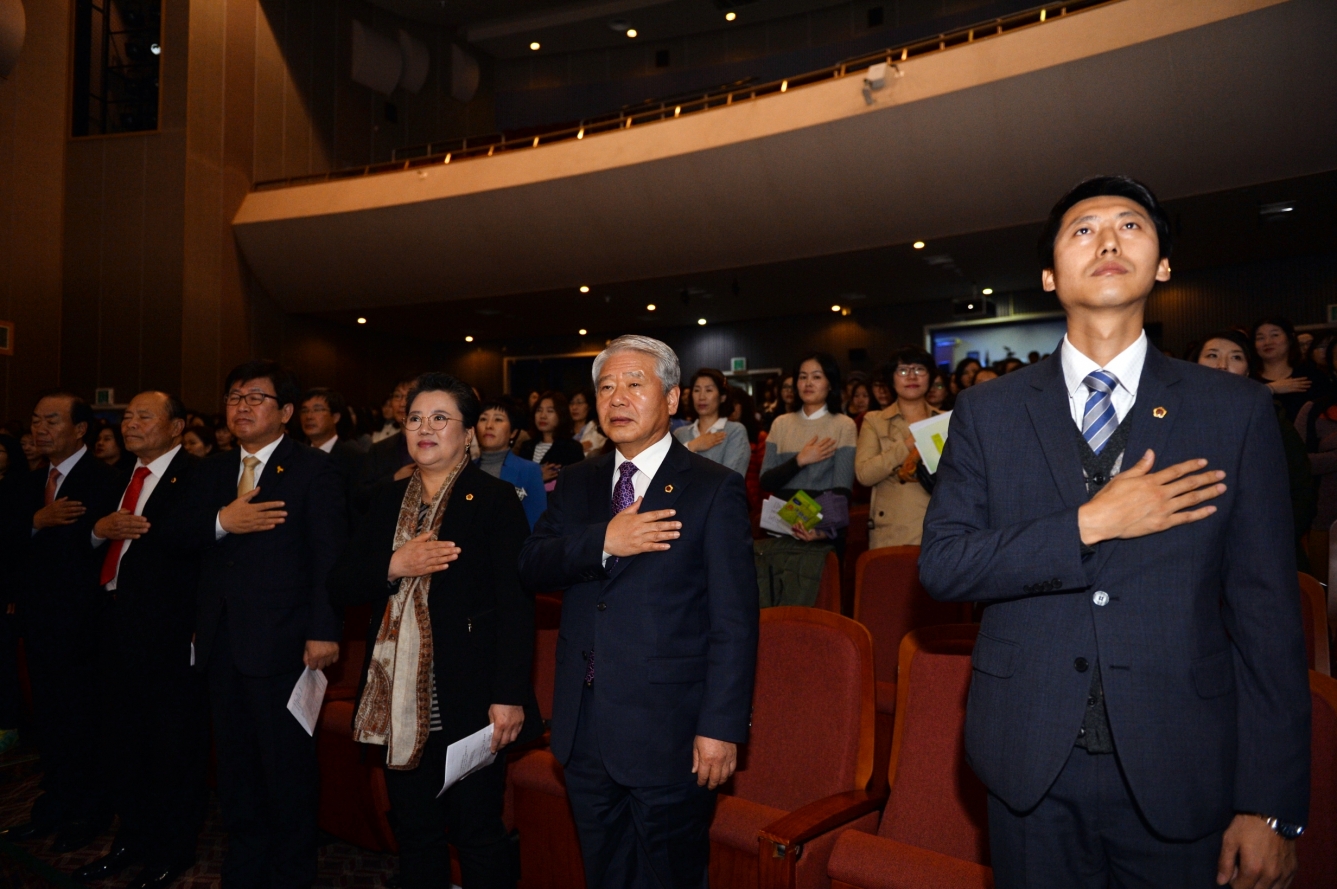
(436, 422)
(911, 370)
(254, 399)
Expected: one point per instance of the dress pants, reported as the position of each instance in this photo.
(635, 837)
(157, 748)
(64, 669)
(468, 816)
(268, 780)
(1087, 833)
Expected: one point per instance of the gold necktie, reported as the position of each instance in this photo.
(247, 482)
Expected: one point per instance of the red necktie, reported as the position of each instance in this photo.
(51, 480)
(128, 502)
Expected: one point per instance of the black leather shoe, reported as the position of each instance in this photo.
(109, 865)
(159, 876)
(29, 830)
(74, 835)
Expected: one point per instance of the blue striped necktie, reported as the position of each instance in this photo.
(1099, 419)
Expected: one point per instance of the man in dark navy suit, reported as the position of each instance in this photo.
(270, 518)
(1139, 707)
(657, 647)
(157, 740)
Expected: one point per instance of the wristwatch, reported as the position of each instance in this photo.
(1283, 829)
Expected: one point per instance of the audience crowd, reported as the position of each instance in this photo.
(102, 523)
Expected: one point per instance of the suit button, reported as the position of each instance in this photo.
(1099, 478)
(1081, 665)
(602, 606)
(1029, 588)
(1101, 598)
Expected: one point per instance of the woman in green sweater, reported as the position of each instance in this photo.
(812, 449)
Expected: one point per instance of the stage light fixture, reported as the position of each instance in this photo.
(987, 291)
(650, 308)
(468, 339)
(362, 321)
(631, 32)
(535, 46)
(730, 16)
(584, 288)
(582, 331)
(919, 245)
(701, 321)
(835, 308)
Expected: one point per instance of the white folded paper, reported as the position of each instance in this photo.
(307, 696)
(770, 517)
(930, 437)
(468, 755)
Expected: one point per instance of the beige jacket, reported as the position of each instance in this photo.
(897, 509)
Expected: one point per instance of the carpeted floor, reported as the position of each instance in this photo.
(25, 865)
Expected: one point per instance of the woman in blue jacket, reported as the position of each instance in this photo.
(498, 424)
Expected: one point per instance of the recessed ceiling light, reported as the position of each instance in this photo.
(584, 288)
(987, 291)
(701, 321)
(362, 321)
(650, 308)
(631, 32)
(534, 46)
(919, 245)
(582, 331)
(468, 339)
(835, 308)
(730, 16)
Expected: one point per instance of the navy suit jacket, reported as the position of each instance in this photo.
(674, 632)
(270, 586)
(1199, 643)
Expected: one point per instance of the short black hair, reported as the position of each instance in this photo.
(1232, 335)
(80, 412)
(333, 400)
(559, 404)
(832, 372)
(1292, 339)
(716, 377)
(462, 392)
(1101, 186)
(909, 355)
(515, 415)
(284, 382)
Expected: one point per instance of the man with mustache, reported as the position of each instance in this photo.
(1139, 706)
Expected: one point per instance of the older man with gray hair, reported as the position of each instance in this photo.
(659, 629)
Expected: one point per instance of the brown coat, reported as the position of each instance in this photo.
(897, 510)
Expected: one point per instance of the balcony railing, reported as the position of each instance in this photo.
(653, 110)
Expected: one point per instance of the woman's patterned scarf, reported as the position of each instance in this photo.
(396, 706)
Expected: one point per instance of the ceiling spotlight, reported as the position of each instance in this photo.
(631, 32)
(835, 308)
(534, 46)
(987, 291)
(730, 16)
(582, 331)
(701, 321)
(468, 339)
(362, 321)
(919, 245)
(650, 308)
(584, 288)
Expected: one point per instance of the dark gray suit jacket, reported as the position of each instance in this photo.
(1200, 642)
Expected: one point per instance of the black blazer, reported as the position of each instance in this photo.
(155, 590)
(270, 586)
(482, 621)
(378, 467)
(674, 633)
(1196, 629)
(62, 572)
(564, 451)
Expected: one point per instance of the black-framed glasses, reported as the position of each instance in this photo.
(254, 399)
(912, 370)
(435, 422)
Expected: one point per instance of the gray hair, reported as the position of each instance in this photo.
(666, 360)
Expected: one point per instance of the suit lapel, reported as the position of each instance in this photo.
(1051, 416)
(665, 488)
(271, 476)
(601, 492)
(165, 492)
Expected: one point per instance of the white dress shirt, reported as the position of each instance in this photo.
(263, 456)
(329, 445)
(156, 470)
(1126, 368)
(647, 464)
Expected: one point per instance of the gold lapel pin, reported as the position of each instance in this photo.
(173, 481)
(468, 496)
(1159, 413)
(278, 469)
(668, 489)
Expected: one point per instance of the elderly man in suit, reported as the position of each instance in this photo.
(658, 640)
(1139, 707)
(157, 738)
(269, 517)
(63, 608)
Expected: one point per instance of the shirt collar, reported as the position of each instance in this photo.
(159, 466)
(64, 467)
(815, 415)
(1126, 366)
(648, 460)
(328, 446)
(717, 426)
(264, 453)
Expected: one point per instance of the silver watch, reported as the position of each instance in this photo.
(1283, 828)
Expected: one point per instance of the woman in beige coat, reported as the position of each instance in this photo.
(886, 458)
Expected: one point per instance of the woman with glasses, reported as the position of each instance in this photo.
(450, 642)
(940, 390)
(888, 461)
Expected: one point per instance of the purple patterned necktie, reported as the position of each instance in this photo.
(624, 494)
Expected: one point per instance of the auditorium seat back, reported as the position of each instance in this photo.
(812, 709)
(1317, 846)
(547, 621)
(936, 801)
(1314, 612)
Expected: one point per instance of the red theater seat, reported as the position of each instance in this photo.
(890, 602)
(1314, 612)
(933, 832)
(354, 805)
(828, 594)
(1317, 847)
